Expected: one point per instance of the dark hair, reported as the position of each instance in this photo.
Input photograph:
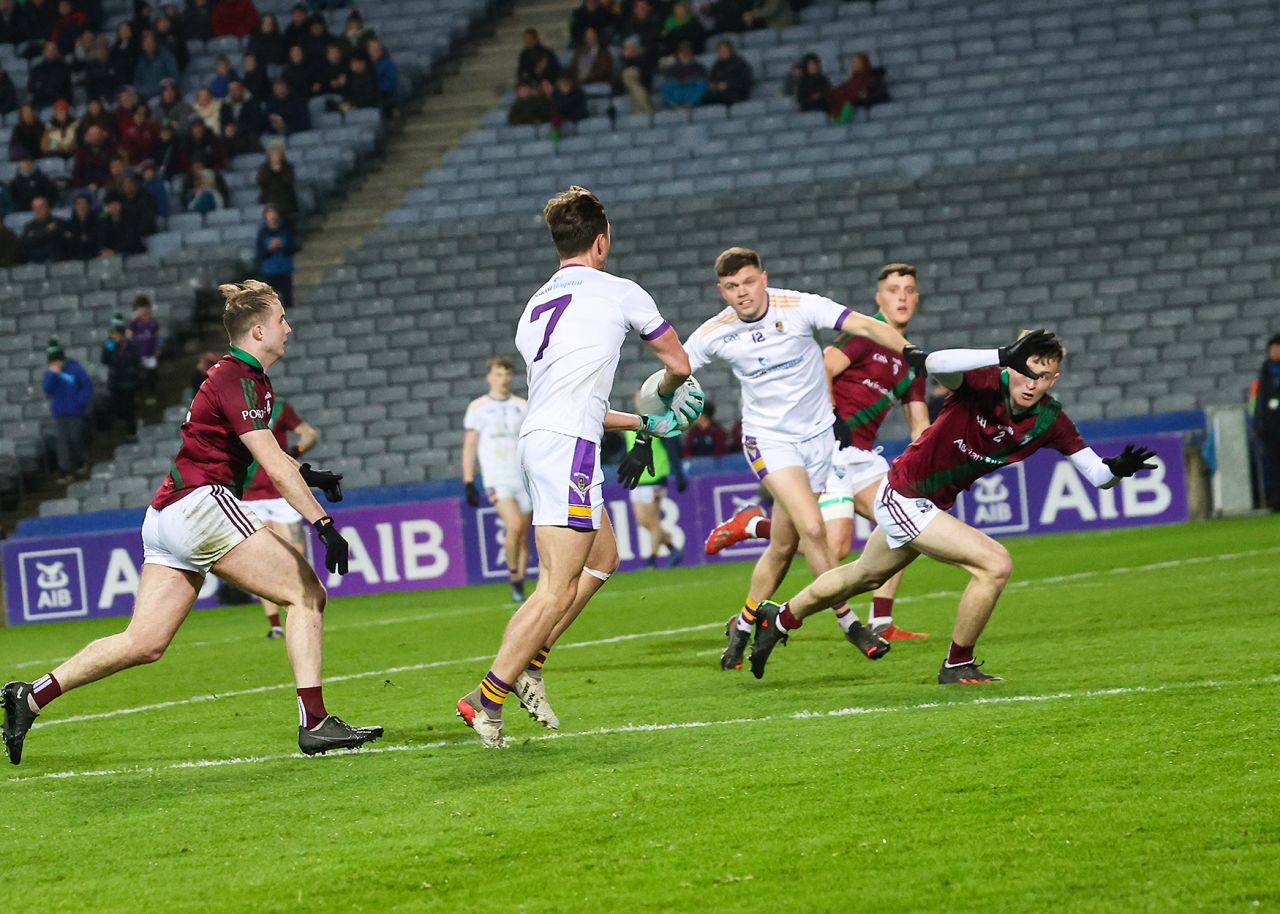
(142, 301)
(500, 361)
(1274, 341)
(734, 259)
(576, 219)
(902, 269)
(1052, 348)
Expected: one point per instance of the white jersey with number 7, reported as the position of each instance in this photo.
(570, 337)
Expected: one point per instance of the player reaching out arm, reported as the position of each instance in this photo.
(197, 523)
(993, 418)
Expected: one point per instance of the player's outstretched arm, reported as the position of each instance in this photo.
(671, 354)
(663, 425)
(1105, 472)
(947, 366)
(283, 472)
(857, 324)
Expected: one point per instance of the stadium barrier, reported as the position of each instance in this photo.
(426, 544)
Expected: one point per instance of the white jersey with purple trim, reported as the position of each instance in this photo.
(497, 422)
(570, 336)
(777, 361)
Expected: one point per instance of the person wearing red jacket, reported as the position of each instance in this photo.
(233, 17)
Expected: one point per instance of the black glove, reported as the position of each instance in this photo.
(915, 357)
(637, 460)
(841, 430)
(335, 547)
(1016, 355)
(328, 483)
(473, 494)
(1129, 461)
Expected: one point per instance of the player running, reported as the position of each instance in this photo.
(994, 417)
(570, 336)
(273, 508)
(196, 523)
(767, 337)
(492, 425)
(865, 379)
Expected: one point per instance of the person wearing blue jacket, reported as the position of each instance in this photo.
(70, 390)
(275, 249)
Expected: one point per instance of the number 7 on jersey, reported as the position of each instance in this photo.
(556, 306)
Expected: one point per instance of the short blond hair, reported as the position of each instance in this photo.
(248, 304)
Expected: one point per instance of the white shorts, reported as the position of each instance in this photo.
(275, 509)
(902, 517)
(648, 495)
(196, 531)
(812, 454)
(511, 489)
(563, 478)
(852, 470)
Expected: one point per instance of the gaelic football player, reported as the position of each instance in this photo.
(570, 336)
(197, 523)
(492, 424)
(995, 416)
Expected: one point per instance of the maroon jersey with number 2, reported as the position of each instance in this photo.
(235, 398)
(977, 433)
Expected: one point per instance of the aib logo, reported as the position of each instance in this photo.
(997, 503)
(53, 585)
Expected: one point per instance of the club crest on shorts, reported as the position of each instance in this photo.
(580, 482)
(923, 504)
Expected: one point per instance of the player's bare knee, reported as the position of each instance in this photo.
(998, 564)
(146, 650)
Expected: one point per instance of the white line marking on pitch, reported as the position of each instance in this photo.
(660, 728)
(436, 664)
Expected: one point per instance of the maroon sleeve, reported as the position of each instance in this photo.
(243, 402)
(289, 418)
(916, 393)
(980, 379)
(855, 348)
(1063, 437)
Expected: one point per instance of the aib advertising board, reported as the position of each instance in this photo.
(444, 543)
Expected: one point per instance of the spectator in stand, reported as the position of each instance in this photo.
(119, 233)
(730, 15)
(27, 136)
(155, 64)
(153, 183)
(592, 14)
(33, 21)
(316, 40)
(124, 54)
(386, 75)
(30, 182)
(144, 330)
(233, 17)
(126, 103)
(706, 437)
(355, 35)
(208, 108)
(813, 87)
(82, 233)
(731, 78)
(206, 199)
(276, 185)
(266, 43)
(592, 60)
(171, 40)
(276, 247)
(141, 17)
(95, 115)
(332, 74)
(684, 83)
(682, 26)
(299, 24)
(864, 88)
(92, 165)
(50, 79)
(118, 168)
(287, 113)
(7, 33)
(41, 235)
(774, 14)
(124, 367)
(8, 92)
(200, 370)
(192, 178)
(200, 144)
(196, 21)
(11, 253)
(220, 84)
(139, 208)
(243, 121)
(568, 101)
(360, 91)
(167, 154)
(644, 25)
(60, 134)
(68, 27)
(298, 73)
(537, 63)
(140, 138)
(100, 77)
(254, 76)
(636, 76)
(171, 109)
(70, 391)
(531, 106)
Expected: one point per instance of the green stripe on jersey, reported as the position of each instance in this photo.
(881, 406)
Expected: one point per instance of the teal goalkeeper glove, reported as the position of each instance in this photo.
(663, 425)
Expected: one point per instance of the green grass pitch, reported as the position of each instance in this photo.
(1127, 764)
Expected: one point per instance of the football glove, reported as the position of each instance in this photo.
(636, 462)
(1129, 461)
(663, 425)
(335, 547)
(328, 483)
(473, 494)
(1015, 356)
(844, 434)
(916, 358)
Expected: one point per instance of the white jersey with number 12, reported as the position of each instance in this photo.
(570, 337)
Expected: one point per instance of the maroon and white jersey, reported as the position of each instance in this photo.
(864, 392)
(234, 399)
(976, 433)
(284, 419)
